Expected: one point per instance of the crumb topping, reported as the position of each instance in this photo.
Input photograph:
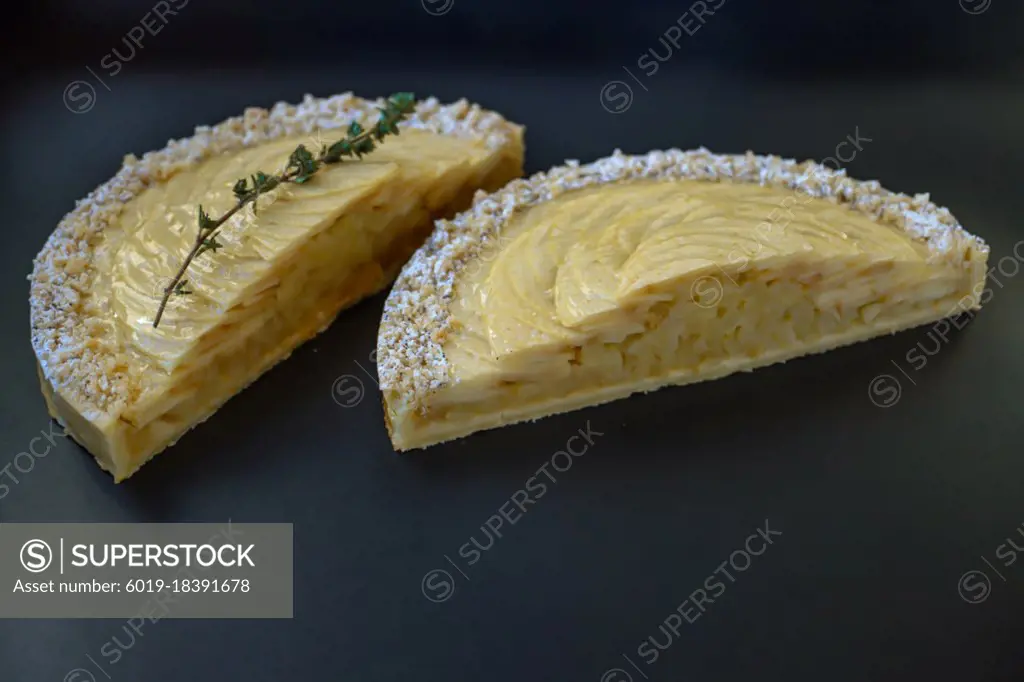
(77, 352)
(417, 318)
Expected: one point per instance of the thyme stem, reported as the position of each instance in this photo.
(301, 166)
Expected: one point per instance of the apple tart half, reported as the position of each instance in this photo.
(591, 282)
(126, 389)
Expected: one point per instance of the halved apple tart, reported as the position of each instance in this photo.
(125, 388)
(591, 282)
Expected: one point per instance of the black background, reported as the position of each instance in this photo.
(881, 509)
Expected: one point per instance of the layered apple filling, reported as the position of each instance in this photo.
(611, 290)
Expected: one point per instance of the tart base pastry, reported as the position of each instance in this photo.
(589, 283)
(126, 390)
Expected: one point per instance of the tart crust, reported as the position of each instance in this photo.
(78, 363)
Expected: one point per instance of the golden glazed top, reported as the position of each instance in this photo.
(565, 248)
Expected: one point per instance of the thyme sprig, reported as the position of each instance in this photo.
(302, 165)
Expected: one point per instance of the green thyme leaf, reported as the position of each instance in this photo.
(206, 223)
(209, 244)
(240, 189)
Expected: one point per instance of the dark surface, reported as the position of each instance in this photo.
(881, 510)
(799, 37)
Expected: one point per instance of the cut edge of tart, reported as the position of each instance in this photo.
(125, 390)
(497, 319)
